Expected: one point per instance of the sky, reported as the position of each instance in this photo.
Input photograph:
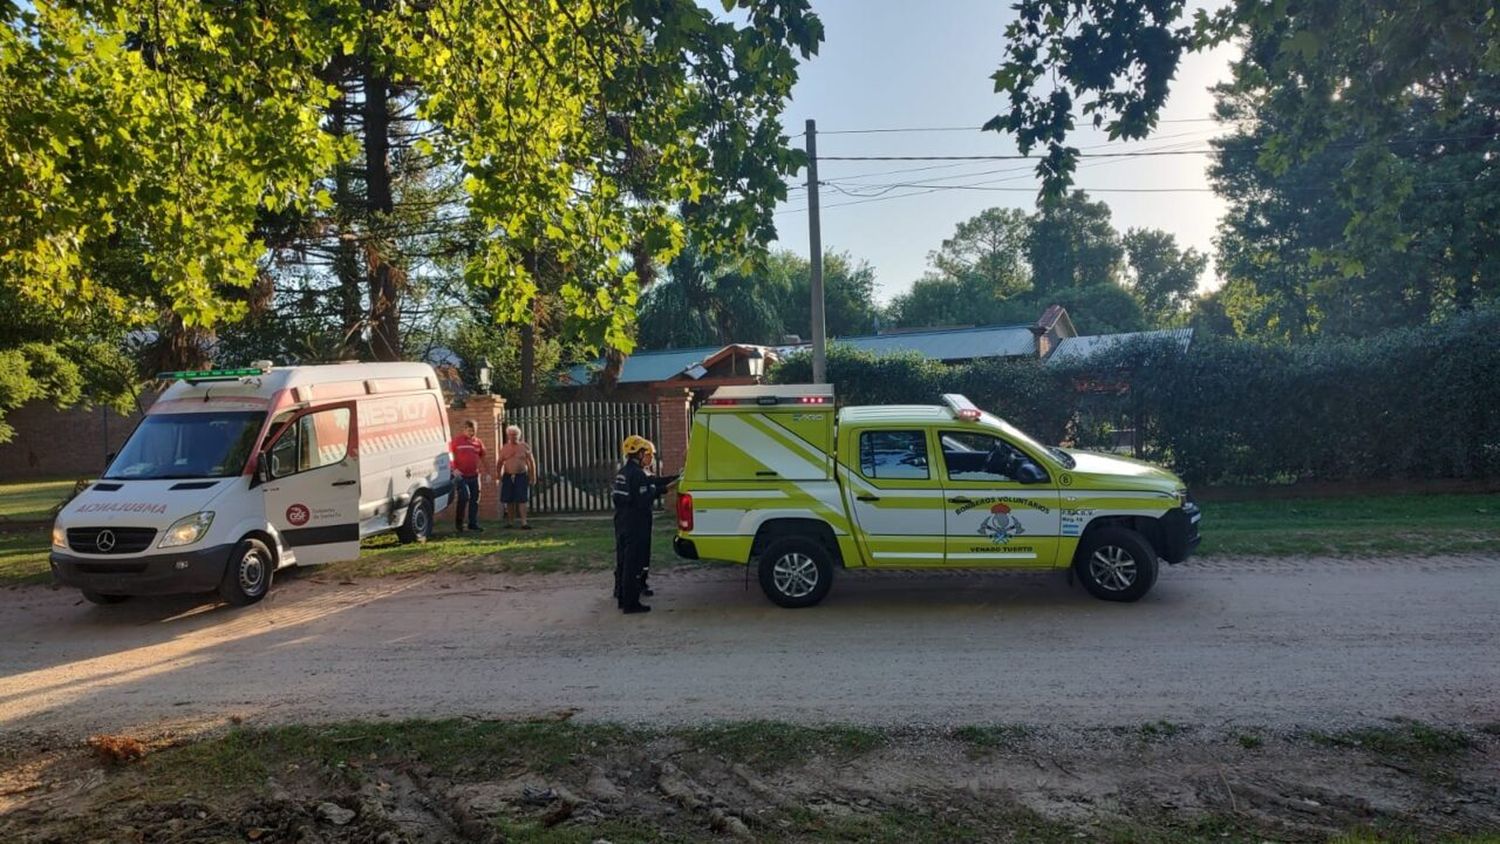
(898, 64)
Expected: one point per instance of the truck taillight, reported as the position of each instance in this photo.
(685, 512)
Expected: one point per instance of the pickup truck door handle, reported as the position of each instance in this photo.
(867, 497)
(765, 474)
(345, 483)
(960, 500)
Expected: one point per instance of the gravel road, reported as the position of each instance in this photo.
(1267, 643)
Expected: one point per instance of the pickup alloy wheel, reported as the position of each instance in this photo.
(1116, 564)
(796, 572)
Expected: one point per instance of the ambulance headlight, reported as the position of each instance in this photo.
(59, 538)
(187, 530)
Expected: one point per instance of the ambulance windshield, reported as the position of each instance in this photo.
(187, 445)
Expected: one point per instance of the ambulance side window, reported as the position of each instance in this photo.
(314, 441)
(893, 455)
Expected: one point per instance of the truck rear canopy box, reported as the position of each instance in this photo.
(778, 478)
(234, 474)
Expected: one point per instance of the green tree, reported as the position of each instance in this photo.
(155, 151)
(1162, 276)
(990, 250)
(1072, 243)
(849, 308)
(703, 302)
(1359, 172)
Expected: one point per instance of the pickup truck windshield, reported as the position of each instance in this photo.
(187, 445)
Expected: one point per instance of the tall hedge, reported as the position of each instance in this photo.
(1408, 404)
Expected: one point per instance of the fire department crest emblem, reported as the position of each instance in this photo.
(1000, 525)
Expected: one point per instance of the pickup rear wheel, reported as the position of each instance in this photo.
(796, 571)
(1116, 564)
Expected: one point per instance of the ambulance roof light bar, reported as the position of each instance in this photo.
(195, 376)
(963, 409)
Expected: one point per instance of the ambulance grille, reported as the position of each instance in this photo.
(121, 540)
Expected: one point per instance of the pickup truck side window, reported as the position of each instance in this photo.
(893, 455)
(972, 456)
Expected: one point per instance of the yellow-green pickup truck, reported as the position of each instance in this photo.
(779, 478)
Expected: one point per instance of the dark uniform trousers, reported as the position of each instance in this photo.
(635, 494)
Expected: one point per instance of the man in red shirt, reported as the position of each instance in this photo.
(468, 456)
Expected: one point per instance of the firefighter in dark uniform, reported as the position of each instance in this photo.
(635, 493)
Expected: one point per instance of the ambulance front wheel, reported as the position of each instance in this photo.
(1116, 564)
(247, 578)
(418, 524)
(796, 572)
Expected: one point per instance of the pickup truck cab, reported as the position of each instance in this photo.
(778, 478)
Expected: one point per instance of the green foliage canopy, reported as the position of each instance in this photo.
(153, 135)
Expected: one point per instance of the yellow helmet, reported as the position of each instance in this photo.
(634, 443)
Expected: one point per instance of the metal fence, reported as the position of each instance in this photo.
(577, 448)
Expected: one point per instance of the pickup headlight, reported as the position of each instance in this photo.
(187, 530)
(59, 538)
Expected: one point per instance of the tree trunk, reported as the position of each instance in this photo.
(384, 279)
(351, 279)
(528, 363)
(645, 274)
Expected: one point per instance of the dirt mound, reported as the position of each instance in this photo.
(489, 782)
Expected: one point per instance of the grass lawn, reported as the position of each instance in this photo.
(1355, 526)
(555, 545)
(31, 501)
(1414, 525)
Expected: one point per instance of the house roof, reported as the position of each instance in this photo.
(987, 341)
(1075, 349)
(647, 367)
(650, 367)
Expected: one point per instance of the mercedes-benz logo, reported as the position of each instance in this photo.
(105, 541)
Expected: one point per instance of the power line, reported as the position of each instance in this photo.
(848, 179)
(1137, 153)
(913, 129)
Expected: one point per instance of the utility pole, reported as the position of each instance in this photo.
(815, 255)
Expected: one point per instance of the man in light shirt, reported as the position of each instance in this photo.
(517, 469)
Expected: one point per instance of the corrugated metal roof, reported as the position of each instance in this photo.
(647, 367)
(989, 341)
(1075, 349)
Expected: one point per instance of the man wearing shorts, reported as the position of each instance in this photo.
(517, 468)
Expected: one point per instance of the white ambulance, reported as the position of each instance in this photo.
(234, 474)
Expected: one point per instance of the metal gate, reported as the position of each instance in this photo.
(577, 448)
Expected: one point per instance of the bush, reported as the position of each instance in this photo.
(1413, 404)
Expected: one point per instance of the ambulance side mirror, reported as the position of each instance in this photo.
(262, 469)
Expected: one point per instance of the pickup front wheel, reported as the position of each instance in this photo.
(796, 571)
(1116, 564)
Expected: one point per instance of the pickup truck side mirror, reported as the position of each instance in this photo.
(109, 458)
(1030, 473)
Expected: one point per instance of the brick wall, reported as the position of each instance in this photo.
(61, 443)
(676, 417)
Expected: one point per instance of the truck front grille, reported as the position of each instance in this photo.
(110, 540)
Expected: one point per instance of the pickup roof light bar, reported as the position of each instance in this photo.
(963, 409)
(770, 400)
(194, 376)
